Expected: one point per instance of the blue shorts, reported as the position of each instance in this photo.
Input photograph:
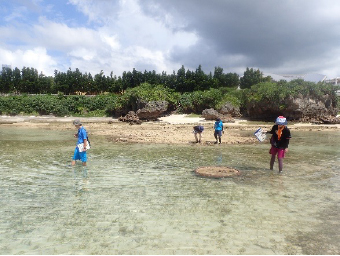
(79, 155)
(218, 133)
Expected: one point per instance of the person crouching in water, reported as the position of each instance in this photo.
(198, 129)
(218, 126)
(80, 151)
(279, 141)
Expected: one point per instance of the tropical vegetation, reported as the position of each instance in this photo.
(74, 93)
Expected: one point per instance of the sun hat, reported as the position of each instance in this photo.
(76, 122)
(281, 120)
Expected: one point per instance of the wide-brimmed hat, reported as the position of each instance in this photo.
(77, 122)
(281, 120)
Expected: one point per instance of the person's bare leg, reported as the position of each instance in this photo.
(73, 163)
(272, 161)
(280, 160)
(196, 137)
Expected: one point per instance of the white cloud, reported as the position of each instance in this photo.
(110, 41)
(119, 35)
(59, 36)
(17, 13)
(83, 53)
(36, 58)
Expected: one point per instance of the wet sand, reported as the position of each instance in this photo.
(173, 129)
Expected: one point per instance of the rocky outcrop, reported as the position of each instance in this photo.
(229, 109)
(143, 110)
(151, 110)
(131, 118)
(212, 114)
(330, 120)
(295, 108)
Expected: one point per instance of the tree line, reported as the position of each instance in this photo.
(272, 94)
(30, 81)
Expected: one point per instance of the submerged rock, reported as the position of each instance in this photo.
(217, 172)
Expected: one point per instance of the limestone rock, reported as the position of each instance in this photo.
(130, 117)
(212, 114)
(229, 109)
(151, 110)
(294, 108)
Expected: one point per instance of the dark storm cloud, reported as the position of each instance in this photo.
(267, 33)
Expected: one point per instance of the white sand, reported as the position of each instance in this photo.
(182, 119)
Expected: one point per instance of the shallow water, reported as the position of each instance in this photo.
(146, 199)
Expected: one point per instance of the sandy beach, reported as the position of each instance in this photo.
(173, 129)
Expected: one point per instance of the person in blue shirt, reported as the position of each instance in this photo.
(82, 143)
(218, 126)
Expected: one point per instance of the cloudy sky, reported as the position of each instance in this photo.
(275, 36)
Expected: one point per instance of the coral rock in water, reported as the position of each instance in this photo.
(217, 171)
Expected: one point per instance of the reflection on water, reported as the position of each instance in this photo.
(145, 199)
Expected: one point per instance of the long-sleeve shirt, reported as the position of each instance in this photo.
(284, 140)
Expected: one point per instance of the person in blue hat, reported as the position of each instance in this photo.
(279, 141)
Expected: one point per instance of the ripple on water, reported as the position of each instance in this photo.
(146, 199)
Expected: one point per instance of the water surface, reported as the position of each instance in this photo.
(146, 199)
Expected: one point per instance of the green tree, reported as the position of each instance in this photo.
(219, 78)
(75, 81)
(30, 78)
(16, 80)
(112, 83)
(61, 83)
(100, 82)
(202, 80)
(6, 80)
(252, 77)
(190, 81)
(46, 83)
(88, 83)
(181, 80)
(232, 80)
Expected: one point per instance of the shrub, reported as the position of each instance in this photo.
(197, 101)
(145, 92)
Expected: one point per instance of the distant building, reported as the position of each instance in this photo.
(333, 81)
(316, 78)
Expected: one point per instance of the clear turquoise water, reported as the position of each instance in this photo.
(146, 199)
